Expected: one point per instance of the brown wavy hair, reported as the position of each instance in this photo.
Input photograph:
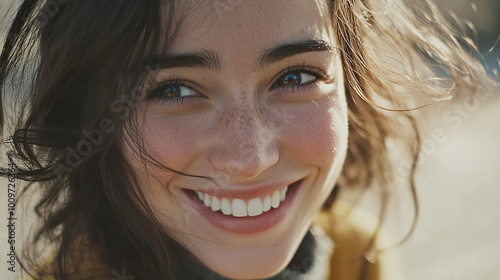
(74, 68)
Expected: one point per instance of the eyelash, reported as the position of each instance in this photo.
(158, 92)
(318, 74)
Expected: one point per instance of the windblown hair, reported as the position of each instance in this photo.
(85, 60)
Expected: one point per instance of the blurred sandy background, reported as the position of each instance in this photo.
(458, 234)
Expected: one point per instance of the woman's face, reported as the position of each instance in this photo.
(251, 94)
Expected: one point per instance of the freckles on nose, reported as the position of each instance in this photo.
(248, 126)
(245, 144)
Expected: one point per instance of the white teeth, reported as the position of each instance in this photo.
(226, 207)
(283, 193)
(242, 208)
(207, 200)
(275, 199)
(239, 208)
(215, 204)
(255, 207)
(266, 205)
(200, 195)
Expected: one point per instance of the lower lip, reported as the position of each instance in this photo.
(246, 225)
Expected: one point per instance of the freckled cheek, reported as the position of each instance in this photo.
(319, 135)
(173, 143)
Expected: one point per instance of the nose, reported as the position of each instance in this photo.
(246, 143)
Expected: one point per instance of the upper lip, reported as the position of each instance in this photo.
(245, 192)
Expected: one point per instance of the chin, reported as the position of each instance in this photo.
(251, 262)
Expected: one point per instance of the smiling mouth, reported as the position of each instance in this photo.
(243, 207)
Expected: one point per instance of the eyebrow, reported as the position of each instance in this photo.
(284, 51)
(210, 60)
(204, 59)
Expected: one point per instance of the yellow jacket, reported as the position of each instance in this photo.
(351, 230)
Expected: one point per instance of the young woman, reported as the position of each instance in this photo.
(202, 139)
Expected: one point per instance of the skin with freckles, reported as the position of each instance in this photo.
(247, 123)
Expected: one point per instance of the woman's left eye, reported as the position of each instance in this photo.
(297, 78)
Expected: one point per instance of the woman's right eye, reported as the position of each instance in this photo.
(172, 92)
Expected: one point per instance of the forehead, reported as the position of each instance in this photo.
(245, 27)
